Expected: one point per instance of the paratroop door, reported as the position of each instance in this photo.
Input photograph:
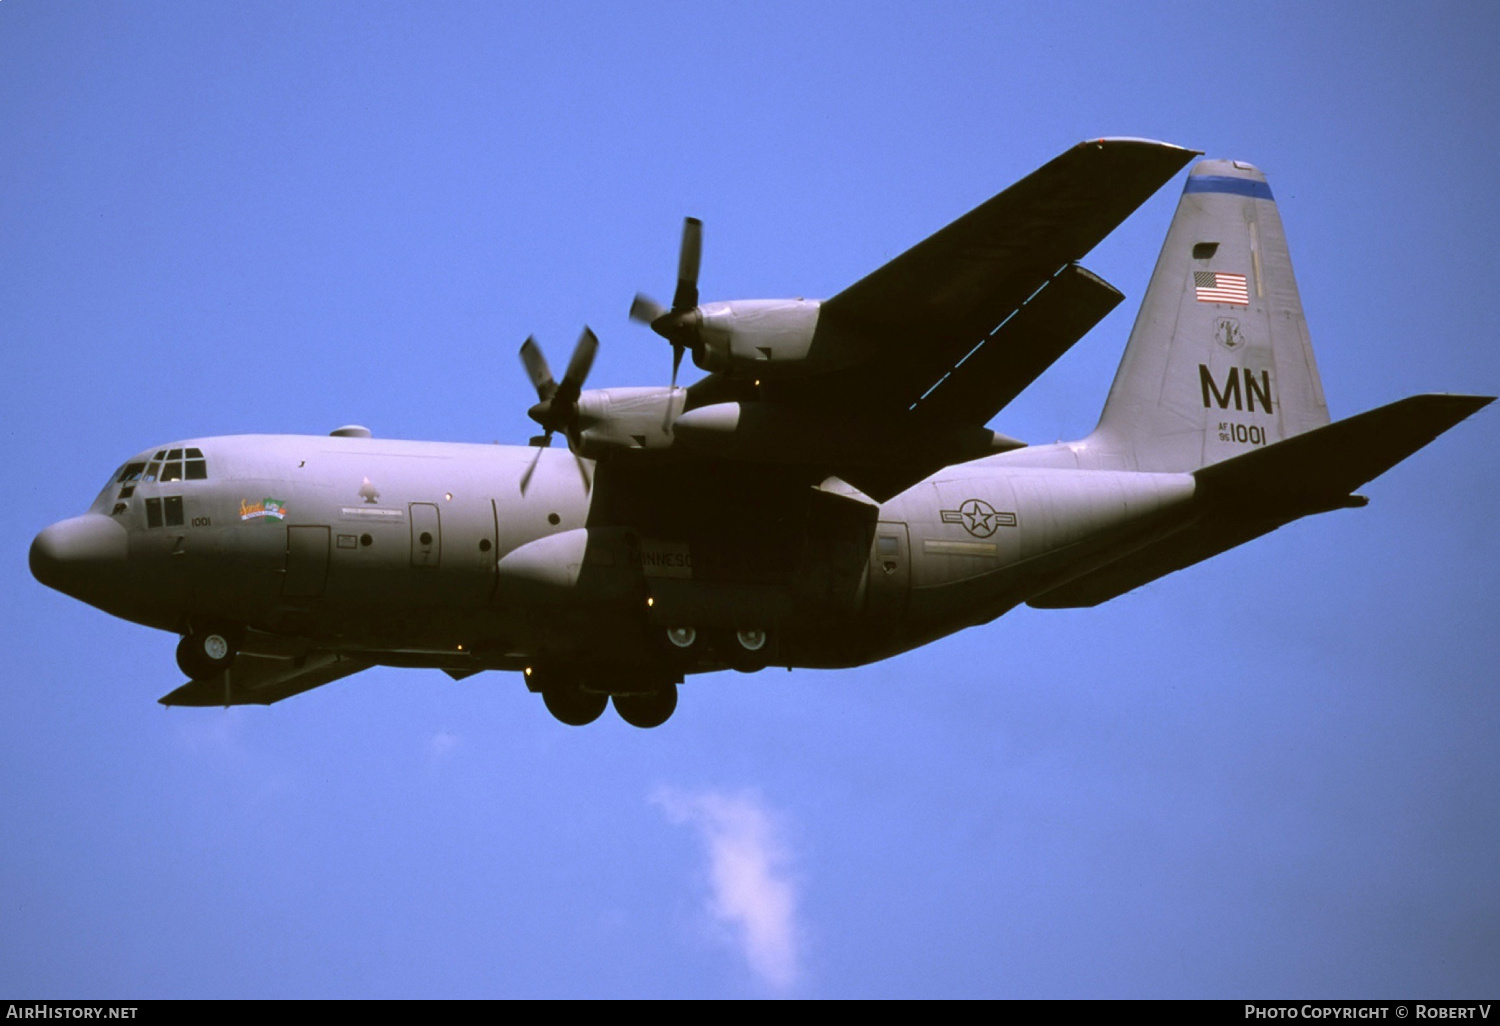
(426, 535)
(306, 562)
(890, 573)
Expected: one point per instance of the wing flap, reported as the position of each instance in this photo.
(261, 680)
(1021, 348)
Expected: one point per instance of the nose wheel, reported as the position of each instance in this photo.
(203, 653)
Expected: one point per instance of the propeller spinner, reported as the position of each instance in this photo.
(680, 324)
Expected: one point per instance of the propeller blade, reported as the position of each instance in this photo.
(644, 309)
(691, 254)
(583, 472)
(537, 369)
(677, 351)
(531, 467)
(578, 368)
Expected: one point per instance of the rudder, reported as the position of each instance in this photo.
(1219, 362)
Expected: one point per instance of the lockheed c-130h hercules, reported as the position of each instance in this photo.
(828, 495)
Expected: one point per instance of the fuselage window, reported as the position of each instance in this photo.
(153, 512)
(173, 506)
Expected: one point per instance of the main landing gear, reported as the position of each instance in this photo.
(205, 652)
(650, 709)
(647, 703)
(569, 702)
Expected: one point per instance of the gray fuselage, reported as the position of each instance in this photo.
(421, 553)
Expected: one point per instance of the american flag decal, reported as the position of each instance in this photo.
(1221, 287)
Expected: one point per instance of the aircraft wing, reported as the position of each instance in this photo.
(261, 680)
(952, 330)
(922, 312)
(963, 280)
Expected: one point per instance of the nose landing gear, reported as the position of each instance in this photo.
(205, 652)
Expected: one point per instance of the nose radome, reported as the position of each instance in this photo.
(71, 551)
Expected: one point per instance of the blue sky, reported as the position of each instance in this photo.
(1274, 773)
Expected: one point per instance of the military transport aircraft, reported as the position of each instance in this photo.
(828, 495)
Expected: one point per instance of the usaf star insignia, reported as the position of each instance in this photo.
(978, 517)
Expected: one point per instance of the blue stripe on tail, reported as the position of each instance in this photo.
(1224, 183)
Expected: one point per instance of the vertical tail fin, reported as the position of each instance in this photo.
(1219, 362)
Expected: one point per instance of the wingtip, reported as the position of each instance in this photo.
(1133, 140)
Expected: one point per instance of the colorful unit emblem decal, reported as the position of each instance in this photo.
(265, 509)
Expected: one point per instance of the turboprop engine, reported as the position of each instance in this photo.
(755, 338)
(759, 337)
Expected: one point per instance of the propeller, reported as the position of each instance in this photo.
(679, 325)
(557, 402)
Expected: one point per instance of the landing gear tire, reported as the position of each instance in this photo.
(573, 705)
(647, 710)
(747, 649)
(682, 637)
(204, 653)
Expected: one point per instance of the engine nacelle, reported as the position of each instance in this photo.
(763, 338)
(611, 419)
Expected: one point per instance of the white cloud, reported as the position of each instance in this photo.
(440, 744)
(750, 889)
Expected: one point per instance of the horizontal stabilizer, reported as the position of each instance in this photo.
(261, 680)
(1316, 471)
(1253, 494)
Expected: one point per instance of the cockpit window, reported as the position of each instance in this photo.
(180, 464)
(130, 472)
